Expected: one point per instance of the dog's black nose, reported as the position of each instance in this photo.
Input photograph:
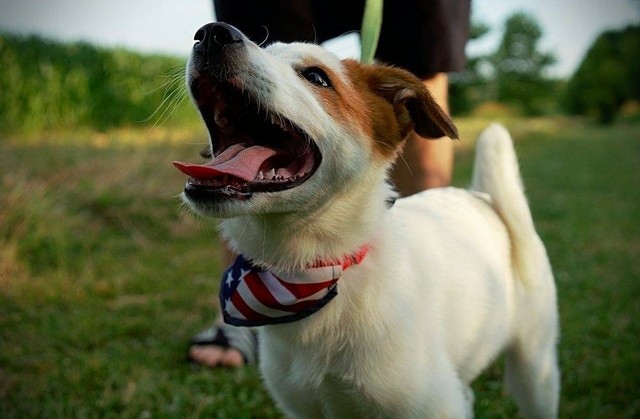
(212, 37)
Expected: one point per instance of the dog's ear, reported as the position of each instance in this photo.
(428, 118)
(413, 105)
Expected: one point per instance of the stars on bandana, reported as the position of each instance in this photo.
(233, 278)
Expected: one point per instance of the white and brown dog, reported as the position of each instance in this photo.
(369, 309)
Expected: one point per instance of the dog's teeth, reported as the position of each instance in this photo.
(261, 175)
(271, 174)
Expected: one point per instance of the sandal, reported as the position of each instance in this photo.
(242, 339)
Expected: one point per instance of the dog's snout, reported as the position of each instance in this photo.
(212, 37)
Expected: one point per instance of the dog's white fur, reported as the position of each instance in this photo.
(452, 279)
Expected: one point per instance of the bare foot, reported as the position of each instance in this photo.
(216, 356)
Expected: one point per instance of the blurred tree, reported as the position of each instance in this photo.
(519, 67)
(467, 88)
(608, 76)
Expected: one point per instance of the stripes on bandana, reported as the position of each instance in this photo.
(251, 296)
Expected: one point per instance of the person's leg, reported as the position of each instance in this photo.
(428, 38)
(426, 163)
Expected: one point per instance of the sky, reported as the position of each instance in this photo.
(167, 26)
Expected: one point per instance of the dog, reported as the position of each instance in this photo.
(370, 306)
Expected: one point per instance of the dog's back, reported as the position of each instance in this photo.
(486, 274)
(485, 285)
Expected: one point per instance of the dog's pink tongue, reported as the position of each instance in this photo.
(238, 160)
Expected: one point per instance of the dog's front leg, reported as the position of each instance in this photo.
(443, 395)
(288, 379)
(294, 401)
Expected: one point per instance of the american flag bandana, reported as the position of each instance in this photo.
(253, 296)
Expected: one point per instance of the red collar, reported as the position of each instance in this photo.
(346, 262)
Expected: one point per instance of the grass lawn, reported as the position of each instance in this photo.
(103, 280)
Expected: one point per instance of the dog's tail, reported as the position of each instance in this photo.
(496, 173)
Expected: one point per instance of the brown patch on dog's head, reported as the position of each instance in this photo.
(342, 100)
(396, 102)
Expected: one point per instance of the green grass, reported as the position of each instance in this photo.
(102, 281)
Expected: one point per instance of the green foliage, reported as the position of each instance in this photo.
(514, 75)
(608, 76)
(519, 67)
(47, 85)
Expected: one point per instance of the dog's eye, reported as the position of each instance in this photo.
(316, 76)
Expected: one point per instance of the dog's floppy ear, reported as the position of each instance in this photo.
(413, 105)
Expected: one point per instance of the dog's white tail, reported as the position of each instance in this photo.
(496, 173)
(531, 370)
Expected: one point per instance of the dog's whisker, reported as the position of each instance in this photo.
(168, 98)
(170, 78)
(398, 155)
(266, 36)
(175, 101)
(170, 95)
(168, 84)
(308, 148)
(175, 105)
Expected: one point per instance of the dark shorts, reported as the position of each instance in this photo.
(423, 36)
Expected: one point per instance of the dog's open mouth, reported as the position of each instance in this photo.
(253, 149)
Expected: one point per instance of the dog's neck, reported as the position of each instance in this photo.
(293, 241)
